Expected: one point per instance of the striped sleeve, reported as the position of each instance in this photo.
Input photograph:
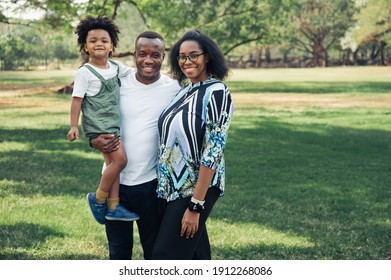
(218, 113)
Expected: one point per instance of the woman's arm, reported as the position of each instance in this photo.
(219, 111)
(190, 218)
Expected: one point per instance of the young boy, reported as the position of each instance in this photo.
(96, 94)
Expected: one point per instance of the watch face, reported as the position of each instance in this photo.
(195, 207)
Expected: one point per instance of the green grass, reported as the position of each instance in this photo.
(36, 77)
(310, 87)
(307, 183)
(307, 190)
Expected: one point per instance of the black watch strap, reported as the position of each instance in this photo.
(195, 207)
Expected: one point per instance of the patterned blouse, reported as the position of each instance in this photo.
(193, 131)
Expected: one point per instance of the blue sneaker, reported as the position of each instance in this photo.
(120, 213)
(98, 209)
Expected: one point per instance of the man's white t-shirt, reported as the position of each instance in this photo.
(141, 106)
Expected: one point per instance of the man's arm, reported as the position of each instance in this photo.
(106, 143)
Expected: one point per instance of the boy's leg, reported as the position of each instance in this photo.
(116, 212)
(109, 187)
(115, 162)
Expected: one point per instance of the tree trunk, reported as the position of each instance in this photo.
(382, 56)
(259, 58)
(319, 55)
(348, 57)
(268, 56)
(285, 59)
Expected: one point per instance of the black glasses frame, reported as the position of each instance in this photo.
(192, 57)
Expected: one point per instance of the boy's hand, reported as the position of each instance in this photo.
(73, 134)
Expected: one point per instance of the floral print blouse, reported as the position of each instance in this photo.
(193, 131)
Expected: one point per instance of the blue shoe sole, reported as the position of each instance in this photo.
(102, 222)
(121, 219)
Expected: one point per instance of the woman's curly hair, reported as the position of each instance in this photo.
(216, 66)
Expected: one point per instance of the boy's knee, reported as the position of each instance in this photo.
(123, 161)
(120, 162)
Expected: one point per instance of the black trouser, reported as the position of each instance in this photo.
(141, 199)
(170, 245)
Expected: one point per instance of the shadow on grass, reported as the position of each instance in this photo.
(20, 238)
(25, 235)
(44, 163)
(310, 87)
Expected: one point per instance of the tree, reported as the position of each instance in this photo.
(62, 49)
(311, 26)
(57, 14)
(374, 27)
(231, 23)
(14, 49)
(319, 25)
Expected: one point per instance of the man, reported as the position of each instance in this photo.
(143, 96)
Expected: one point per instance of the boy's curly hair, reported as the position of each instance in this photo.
(100, 22)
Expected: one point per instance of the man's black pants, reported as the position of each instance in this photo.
(141, 199)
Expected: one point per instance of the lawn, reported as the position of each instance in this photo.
(308, 169)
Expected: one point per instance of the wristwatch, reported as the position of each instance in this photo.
(195, 207)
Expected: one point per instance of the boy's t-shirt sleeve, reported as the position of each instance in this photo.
(80, 85)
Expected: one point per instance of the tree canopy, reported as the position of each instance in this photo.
(311, 27)
(373, 25)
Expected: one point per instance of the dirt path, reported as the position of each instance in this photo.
(300, 101)
(10, 96)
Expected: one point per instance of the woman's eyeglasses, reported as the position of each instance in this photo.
(192, 57)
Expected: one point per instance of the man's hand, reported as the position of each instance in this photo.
(106, 143)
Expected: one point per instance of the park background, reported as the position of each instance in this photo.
(308, 153)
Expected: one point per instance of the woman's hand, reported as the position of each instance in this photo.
(190, 223)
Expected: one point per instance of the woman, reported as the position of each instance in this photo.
(193, 133)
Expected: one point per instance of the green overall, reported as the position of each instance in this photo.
(101, 112)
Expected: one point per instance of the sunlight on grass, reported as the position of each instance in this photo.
(358, 118)
(243, 234)
(375, 74)
(59, 227)
(6, 185)
(13, 146)
(383, 222)
(15, 77)
(76, 153)
(34, 120)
